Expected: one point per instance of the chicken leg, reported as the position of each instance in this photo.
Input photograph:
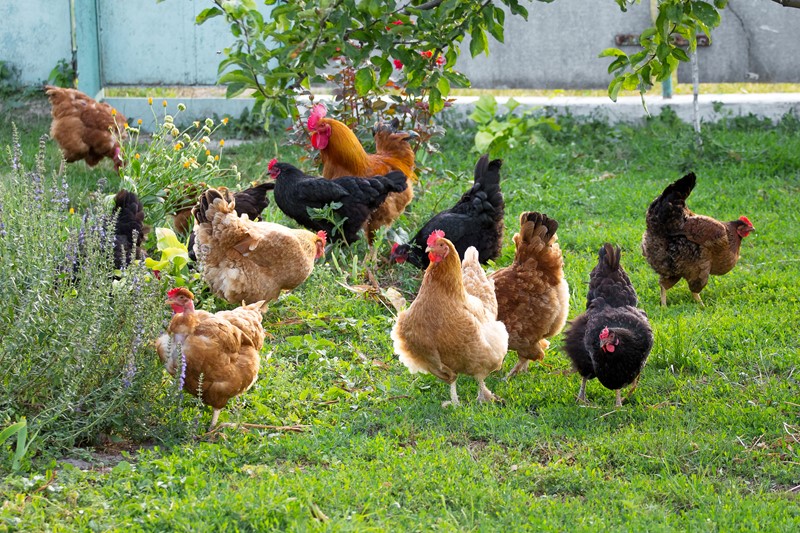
(619, 399)
(214, 418)
(453, 396)
(582, 392)
(696, 296)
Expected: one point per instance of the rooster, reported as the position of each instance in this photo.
(129, 229)
(296, 192)
(532, 293)
(476, 220)
(611, 340)
(85, 128)
(680, 244)
(451, 327)
(343, 155)
(216, 355)
(250, 261)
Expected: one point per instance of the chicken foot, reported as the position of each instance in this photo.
(453, 396)
(485, 395)
(696, 296)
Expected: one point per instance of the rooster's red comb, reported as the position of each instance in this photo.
(272, 163)
(435, 236)
(322, 235)
(746, 221)
(180, 291)
(604, 333)
(317, 112)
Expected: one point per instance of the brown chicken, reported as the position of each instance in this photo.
(451, 327)
(532, 293)
(680, 244)
(343, 155)
(85, 128)
(249, 261)
(219, 351)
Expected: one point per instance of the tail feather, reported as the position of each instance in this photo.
(680, 189)
(477, 284)
(609, 256)
(537, 232)
(211, 202)
(394, 181)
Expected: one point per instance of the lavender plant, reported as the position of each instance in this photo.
(75, 342)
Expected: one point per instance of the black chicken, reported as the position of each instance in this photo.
(129, 229)
(611, 340)
(250, 202)
(476, 220)
(296, 193)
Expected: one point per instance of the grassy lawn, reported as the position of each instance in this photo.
(709, 441)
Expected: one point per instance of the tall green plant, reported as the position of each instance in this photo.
(75, 342)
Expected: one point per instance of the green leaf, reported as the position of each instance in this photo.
(705, 13)
(435, 101)
(385, 67)
(208, 13)
(478, 43)
(615, 52)
(680, 54)
(485, 110)
(443, 85)
(483, 140)
(166, 238)
(364, 81)
(614, 87)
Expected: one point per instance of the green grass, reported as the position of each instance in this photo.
(708, 441)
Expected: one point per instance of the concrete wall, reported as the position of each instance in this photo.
(34, 35)
(146, 43)
(557, 48)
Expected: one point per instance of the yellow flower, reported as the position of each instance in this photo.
(208, 152)
(138, 122)
(178, 146)
(150, 100)
(225, 121)
(71, 210)
(113, 112)
(164, 103)
(222, 142)
(186, 164)
(216, 158)
(137, 156)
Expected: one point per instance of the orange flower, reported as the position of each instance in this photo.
(150, 100)
(222, 142)
(138, 122)
(186, 164)
(225, 121)
(164, 103)
(178, 146)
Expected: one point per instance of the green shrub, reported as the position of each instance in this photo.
(75, 343)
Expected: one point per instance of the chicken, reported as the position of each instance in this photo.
(611, 340)
(476, 220)
(250, 202)
(343, 155)
(532, 293)
(216, 355)
(84, 128)
(451, 327)
(250, 261)
(295, 192)
(129, 229)
(680, 244)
